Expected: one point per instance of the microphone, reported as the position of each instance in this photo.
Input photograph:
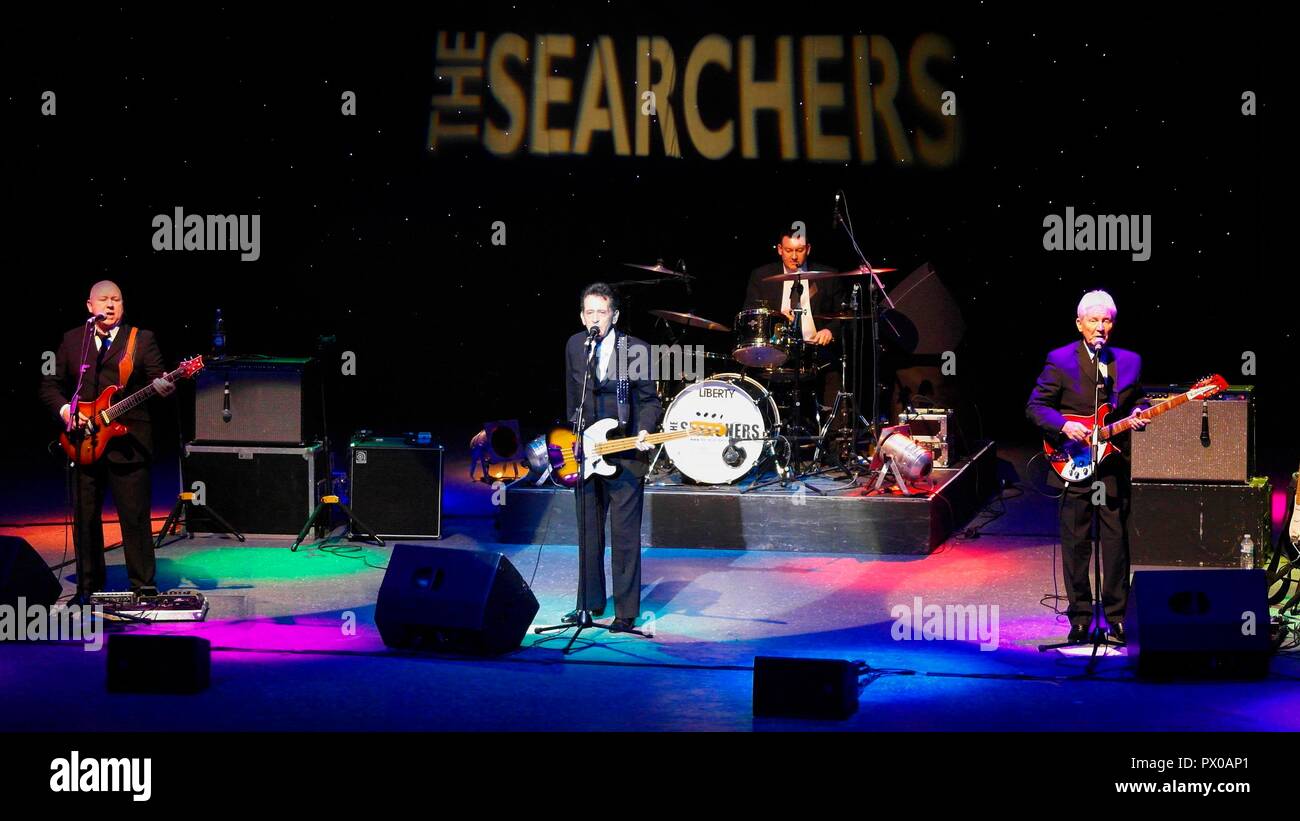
(96, 318)
(592, 333)
(835, 215)
(226, 415)
(1205, 424)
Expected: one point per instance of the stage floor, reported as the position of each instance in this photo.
(282, 659)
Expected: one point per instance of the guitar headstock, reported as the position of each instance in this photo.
(708, 429)
(190, 367)
(1207, 387)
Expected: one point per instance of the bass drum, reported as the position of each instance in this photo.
(739, 402)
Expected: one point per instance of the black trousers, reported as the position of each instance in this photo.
(621, 497)
(1076, 544)
(132, 493)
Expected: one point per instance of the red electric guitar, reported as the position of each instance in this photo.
(86, 444)
(1074, 461)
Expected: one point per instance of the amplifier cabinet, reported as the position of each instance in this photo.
(396, 487)
(1197, 525)
(266, 401)
(1172, 448)
(261, 491)
(935, 429)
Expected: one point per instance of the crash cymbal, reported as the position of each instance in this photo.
(660, 268)
(691, 319)
(812, 275)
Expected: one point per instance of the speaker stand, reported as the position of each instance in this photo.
(184, 508)
(327, 503)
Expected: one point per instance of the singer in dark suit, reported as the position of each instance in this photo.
(614, 391)
(826, 296)
(124, 468)
(1075, 380)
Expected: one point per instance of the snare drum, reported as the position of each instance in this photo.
(743, 405)
(763, 338)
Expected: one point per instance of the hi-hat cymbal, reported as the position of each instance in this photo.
(691, 319)
(660, 268)
(811, 275)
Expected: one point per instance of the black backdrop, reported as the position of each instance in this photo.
(371, 239)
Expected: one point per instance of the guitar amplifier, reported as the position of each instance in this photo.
(1197, 525)
(266, 401)
(1211, 440)
(260, 491)
(396, 486)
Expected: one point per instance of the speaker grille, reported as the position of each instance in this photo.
(1171, 450)
(397, 488)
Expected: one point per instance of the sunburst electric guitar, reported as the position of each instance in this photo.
(1075, 461)
(87, 443)
(569, 457)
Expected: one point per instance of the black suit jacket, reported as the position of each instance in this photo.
(56, 389)
(825, 297)
(1067, 385)
(643, 400)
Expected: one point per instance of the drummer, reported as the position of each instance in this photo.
(820, 297)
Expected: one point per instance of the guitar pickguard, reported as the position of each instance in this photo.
(1077, 461)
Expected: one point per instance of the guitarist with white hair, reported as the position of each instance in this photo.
(1075, 380)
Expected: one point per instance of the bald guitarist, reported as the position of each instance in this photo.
(108, 351)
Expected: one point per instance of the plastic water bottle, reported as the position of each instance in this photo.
(1247, 553)
(218, 336)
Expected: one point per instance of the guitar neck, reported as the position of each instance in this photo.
(1150, 413)
(629, 442)
(139, 397)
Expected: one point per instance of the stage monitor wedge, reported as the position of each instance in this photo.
(453, 600)
(1199, 624)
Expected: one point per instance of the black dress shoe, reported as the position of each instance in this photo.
(622, 625)
(573, 616)
(78, 600)
(1078, 634)
(1117, 632)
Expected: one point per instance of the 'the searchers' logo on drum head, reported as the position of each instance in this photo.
(746, 409)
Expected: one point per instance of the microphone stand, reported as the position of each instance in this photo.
(71, 427)
(875, 290)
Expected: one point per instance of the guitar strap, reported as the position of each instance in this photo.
(127, 365)
(621, 387)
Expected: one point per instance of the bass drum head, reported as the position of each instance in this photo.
(740, 403)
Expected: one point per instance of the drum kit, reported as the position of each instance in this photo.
(762, 388)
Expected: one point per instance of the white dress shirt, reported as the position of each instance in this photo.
(604, 353)
(809, 327)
